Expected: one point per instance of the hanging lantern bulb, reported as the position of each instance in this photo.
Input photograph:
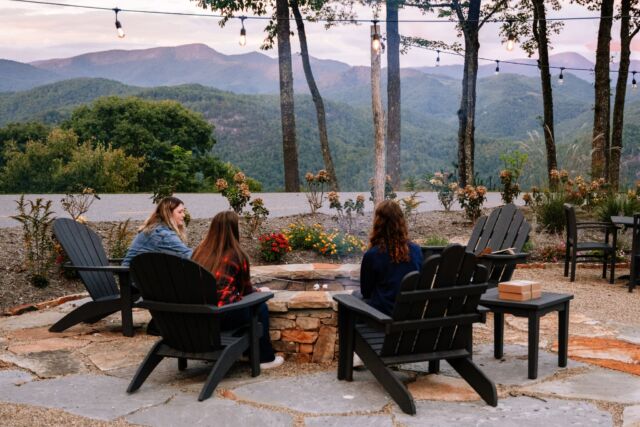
(497, 67)
(375, 38)
(511, 42)
(561, 77)
(243, 32)
(634, 84)
(438, 59)
(118, 24)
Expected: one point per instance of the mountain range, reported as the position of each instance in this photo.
(238, 94)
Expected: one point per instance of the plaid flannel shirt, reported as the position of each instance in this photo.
(232, 280)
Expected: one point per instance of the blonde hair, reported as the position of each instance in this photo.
(222, 241)
(163, 215)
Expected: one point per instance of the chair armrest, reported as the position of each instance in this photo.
(506, 258)
(247, 301)
(482, 311)
(605, 225)
(250, 300)
(110, 268)
(359, 306)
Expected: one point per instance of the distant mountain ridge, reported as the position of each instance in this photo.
(251, 73)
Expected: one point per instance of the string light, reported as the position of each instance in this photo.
(375, 39)
(118, 24)
(634, 84)
(497, 67)
(511, 42)
(438, 59)
(243, 32)
(561, 77)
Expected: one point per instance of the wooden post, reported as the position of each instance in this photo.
(378, 122)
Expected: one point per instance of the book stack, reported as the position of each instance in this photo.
(519, 290)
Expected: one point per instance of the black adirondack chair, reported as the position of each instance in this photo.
(182, 298)
(577, 251)
(634, 277)
(506, 227)
(431, 321)
(87, 256)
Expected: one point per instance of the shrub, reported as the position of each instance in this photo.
(346, 211)
(303, 236)
(315, 189)
(550, 212)
(410, 205)
(77, 205)
(237, 194)
(471, 200)
(446, 190)
(552, 253)
(389, 194)
(273, 246)
(338, 244)
(509, 176)
(119, 239)
(256, 216)
(436, 241)
(36, 218)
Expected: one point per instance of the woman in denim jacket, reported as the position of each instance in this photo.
(163, 231)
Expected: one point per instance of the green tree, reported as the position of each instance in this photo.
(168, 136)
(59, 164)
(21, 133)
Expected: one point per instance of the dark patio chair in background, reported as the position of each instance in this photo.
(634, 278)
(432, 320)
(603, 250)
(182, 298)
(87, 256)
(506, 227)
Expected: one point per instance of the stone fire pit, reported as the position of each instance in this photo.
(303, 314)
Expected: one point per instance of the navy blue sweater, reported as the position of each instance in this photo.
(380, 278)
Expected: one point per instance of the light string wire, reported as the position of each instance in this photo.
(351, 20)
(354, 20)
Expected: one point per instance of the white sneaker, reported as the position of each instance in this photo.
(273, 364)
(357, 362)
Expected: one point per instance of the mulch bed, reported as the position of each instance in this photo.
(15, 288)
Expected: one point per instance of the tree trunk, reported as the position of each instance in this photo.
(393, 96)
(467, 111)
(601, 111)
(378, 125)
(541, 36)
(621, 91)
(317, 99)
(287, 116)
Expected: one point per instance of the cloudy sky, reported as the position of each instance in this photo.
(33, 31)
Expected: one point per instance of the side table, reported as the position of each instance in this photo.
(533, 310)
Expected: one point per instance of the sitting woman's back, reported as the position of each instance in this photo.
(390, 257)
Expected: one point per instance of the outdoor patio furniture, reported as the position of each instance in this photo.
(533, 310)
(505, 228)
(183, 302)
(431, 321)
(634, 278)
(87, 256)
(588, 251)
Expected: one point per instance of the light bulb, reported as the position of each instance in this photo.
(375, 42)
(511, 42)
(243, 37)
(119, 29)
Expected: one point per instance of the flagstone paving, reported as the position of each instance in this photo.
(85, 371)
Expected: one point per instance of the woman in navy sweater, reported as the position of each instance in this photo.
(390, 257)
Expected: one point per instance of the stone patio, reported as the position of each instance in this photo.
(84, 372)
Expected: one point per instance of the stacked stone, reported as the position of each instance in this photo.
(303, 326)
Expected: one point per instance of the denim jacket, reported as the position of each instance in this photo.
(160, 239)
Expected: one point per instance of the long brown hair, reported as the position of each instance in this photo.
(390, 231)
(222, 240)
(163, 215)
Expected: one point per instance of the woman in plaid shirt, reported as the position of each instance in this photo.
(220, 252)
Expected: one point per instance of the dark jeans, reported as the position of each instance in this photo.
(234, 319)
